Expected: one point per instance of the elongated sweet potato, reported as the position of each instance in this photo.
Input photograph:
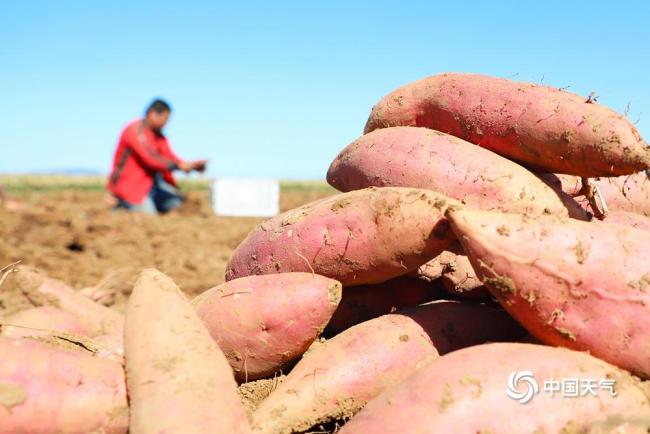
(583, 285)
(424, 158)
(50, 390)
(364, 236)
(337, 378)
(624, 193)
(178, 380)
(536, 125)
(44, 318)
(465, 393)
(365, 302)
(41, 290)
(262, 323)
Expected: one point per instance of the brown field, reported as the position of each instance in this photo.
(66, 229)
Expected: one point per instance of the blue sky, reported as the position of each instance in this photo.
(276, 89)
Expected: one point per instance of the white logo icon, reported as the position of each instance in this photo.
(526, 377)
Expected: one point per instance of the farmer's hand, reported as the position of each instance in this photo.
(188, 166)
(199, 165)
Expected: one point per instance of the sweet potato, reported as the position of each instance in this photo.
(465, 392)
(624, 193)
(337, 378)
(432, 270)
(461, 280)
(620, 425)
(424, 158)
(50, 390)
(44, 318)
(539, 126)
(178, 380)
(364, 236)
(629, 219)
(583, 285)
(41, 290)
(454, 271)
(262, 323)
(365, 302)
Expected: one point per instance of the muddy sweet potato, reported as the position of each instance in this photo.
(45, 389)
(364, 236)
(365, 302)
(26, 288)
(582, 285)
(425, 158)
(538, 126)
(178, 379)
(40, 290)
(624, 193)
(465, 393)
(262, 323)
(629, 219)
(455, 273)
(43, 318)
(460, 279)
(336, 378)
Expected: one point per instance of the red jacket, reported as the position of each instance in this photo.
(140, 154)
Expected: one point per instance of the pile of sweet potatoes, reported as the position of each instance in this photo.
(458, 284)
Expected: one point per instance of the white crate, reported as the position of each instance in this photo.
(243, 197)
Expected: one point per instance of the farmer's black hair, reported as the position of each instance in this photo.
(159, 106)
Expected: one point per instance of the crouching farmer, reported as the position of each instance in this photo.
(141, 178)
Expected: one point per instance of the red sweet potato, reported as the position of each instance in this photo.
(539, 126)
(454, 271)
(365, 302)
(465, 393)
(51, 390)
(337, 378)
(628, 219)
(624, 193)
(42, 290)
(424, 158)
(178, 380)
(262, 323)
(583, 285)
(364, 236)
(461, 280)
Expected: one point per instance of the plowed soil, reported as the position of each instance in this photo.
(73, 235)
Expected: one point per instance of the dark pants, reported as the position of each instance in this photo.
(162, 197)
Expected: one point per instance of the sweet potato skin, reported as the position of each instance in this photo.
(178, 380)
(629, 219)
(50, 390)
(464, 392)
(364, 236)
(44, 318)
(425, 158)
(629, 193)
(365, 302)
(338, 377)
(41, 290)
(577, 284)
(261, 323)
(536, 125)
(456, 274)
